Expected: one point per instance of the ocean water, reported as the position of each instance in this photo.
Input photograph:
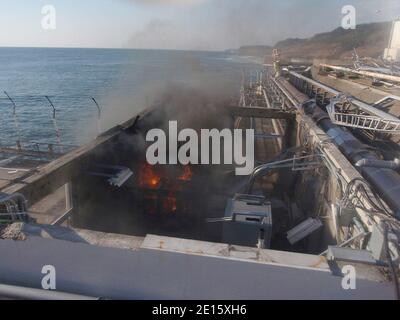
(122, 81)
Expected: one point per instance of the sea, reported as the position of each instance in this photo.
(122, 81)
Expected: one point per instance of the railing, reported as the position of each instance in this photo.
(348, 111)
(341, 113)
(45, 119)
(365, 122)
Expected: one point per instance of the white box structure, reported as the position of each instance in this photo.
(392, 53)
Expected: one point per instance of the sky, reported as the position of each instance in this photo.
(178, 24)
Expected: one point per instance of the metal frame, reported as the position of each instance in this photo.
(341, 113)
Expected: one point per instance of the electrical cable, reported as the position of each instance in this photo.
(391, 263)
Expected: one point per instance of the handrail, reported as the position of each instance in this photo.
(370, 109)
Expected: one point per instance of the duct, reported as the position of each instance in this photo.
(372, 110)
(394, 165)
(376, 75)
(292, 94)
(386, 181)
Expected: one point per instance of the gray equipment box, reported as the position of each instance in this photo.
(250, 216)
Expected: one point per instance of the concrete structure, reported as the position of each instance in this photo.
(118, 247)
(392, 52)
(120, 267)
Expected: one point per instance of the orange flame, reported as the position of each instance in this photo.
(169, 203)
(187, 174)
(148, 178)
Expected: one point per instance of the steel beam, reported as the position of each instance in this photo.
(362, 105)
(54, 175)
(258, 112)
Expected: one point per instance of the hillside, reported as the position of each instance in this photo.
(255, 51)
(369, 40)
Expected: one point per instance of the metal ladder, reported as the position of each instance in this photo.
(342, 112)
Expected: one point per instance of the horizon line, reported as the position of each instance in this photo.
(112, 48)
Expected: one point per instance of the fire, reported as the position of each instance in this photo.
(187, 174)
(163, 186)
(169, 203)
(148, 178)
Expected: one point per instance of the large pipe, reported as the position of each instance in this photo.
(394, 165)
(370, 109)
(386, 181)
(376, 75)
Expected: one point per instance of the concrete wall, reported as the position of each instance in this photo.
(395, 35)
(393, 51)
(159, 274)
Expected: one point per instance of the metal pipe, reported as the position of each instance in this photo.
(362, 105)
(386, 181)
(16, 123)
(298, 97)
(391, 97)
(68, 206)
(98, 116)
(275, 123)
(266, 168)
(394, 165)
(347, 242)
(376, 75)
(57, 130)
(285, 93)
(19, 198)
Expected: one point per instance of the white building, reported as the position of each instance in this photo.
(392, 53)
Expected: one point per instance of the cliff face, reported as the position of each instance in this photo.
(369, 40)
